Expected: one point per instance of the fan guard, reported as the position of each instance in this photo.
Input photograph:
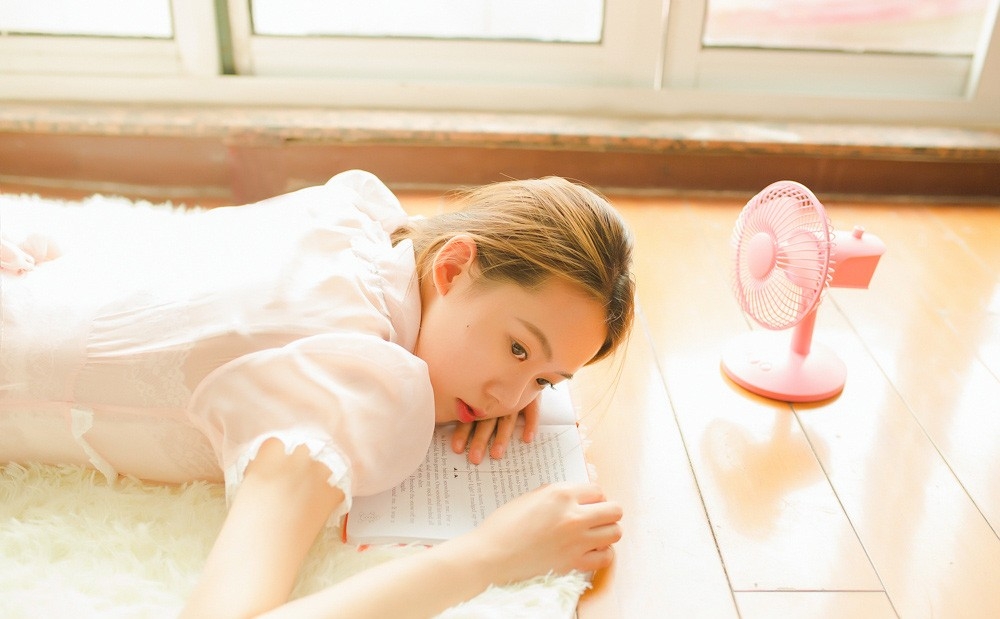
(781, 243)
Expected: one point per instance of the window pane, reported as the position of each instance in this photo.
(578, 21)
(114, 18)
(903, 26)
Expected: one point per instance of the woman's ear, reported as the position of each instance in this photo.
(456, 257)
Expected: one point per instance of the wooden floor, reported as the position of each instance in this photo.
(882, 502)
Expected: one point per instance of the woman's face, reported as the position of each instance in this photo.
(491, 348)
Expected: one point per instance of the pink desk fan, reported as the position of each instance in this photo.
(786, 254)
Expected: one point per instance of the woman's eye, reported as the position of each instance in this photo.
(518, 351)
(544, 383)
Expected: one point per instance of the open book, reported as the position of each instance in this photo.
(448, 496)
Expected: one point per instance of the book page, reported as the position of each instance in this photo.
(448, 496)
(555, 407)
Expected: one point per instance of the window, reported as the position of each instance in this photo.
(119, 18)
(947, 27)
(934, 61)
(568, 21)
(108, 37)
(447, 41)
(909, 49)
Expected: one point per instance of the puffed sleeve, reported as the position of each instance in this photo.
(361, 405)
(375, 199)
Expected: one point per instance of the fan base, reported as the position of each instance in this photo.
(766, 365)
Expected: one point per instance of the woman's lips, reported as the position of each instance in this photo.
(466, 414)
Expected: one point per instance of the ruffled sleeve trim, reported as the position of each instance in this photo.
(320, 450)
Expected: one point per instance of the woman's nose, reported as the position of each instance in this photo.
(509, 394)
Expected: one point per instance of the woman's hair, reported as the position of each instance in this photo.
(527, 232)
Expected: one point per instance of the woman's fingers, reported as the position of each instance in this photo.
(504, 433)
(596, 559)
(605, 534)
(531, 414)
(481, 439)
(460, 437)
(584, 494)
(494, 434)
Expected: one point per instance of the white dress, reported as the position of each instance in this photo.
(168, 345)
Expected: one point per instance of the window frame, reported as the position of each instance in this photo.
(678, 79)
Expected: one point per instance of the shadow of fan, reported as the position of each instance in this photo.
(755, 473)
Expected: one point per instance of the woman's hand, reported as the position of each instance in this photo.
(476, 436)
(555, 528)
(558, 528)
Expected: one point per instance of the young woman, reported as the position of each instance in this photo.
(302, 349)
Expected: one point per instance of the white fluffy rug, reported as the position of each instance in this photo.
(72, 545)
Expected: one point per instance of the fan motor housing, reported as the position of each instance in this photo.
(855, 256)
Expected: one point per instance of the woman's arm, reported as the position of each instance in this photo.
(285, 500)
(557, 528)
(281, 506)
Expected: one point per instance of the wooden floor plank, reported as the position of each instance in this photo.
(640, 460)
(953, 258)
(927, 321)
(902, 445)
(931, 547)
(976, 229)
(778, 523)
(815, 604)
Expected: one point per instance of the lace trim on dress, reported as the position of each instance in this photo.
(320, 450)
(80, 421)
